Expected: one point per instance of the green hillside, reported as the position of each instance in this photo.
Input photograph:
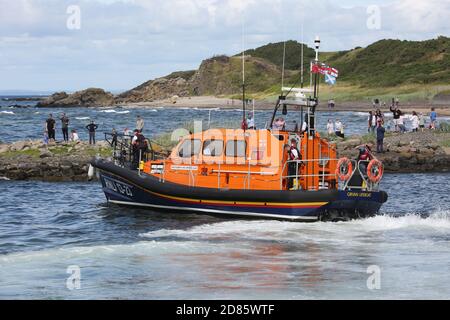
(385, 63)
(410, 70)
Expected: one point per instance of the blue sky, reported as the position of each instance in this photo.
(122, 43)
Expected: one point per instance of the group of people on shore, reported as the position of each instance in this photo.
(51, 125)
(336, 128)
(376, 121)
(50, 130)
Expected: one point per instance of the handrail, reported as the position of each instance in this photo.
(300, 162)
(370, 186)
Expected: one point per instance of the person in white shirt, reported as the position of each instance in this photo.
(251, 122)
(339, 128)
(74, 136)
(279, 124)
(401, 123)
(304, 126)
(372, 122)
(415, 122)
(330, 127)
(140, 124)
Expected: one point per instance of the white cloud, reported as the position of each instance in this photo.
(124, 42)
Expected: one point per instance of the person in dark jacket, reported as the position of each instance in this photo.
(397, 114)
(50, 128)
(65, 127)
(92, 127)
(294, 156)
(380, 136)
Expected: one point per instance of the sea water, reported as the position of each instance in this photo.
(62, 241)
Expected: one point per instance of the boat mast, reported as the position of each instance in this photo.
(243, 74)
(284, 62)
(316, 75)
(302, 62)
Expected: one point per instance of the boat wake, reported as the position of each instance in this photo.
(275, 230)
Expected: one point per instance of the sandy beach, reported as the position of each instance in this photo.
(226, 103)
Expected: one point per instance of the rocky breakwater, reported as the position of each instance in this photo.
(409, 152)
(92, 97)
(32, 160)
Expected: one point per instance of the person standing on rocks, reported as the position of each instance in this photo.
(380, 136)
(397, 114)
(339, 129)
(379, 116)
(140, 124)
(372, 122)
(415, 122)
(92, 127)
(421, 122)
(65, 127)
(51, 127)
(330, 127)
(74, 136)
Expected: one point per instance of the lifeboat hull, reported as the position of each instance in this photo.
(126, 187)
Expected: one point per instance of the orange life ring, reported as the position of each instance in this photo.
(375, 170)
(344, 169)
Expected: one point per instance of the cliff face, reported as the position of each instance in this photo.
(178, 84)
(92, 97)
(216, 76)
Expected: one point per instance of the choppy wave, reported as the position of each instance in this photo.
(7, 112)
(115, 111)
(82, 118)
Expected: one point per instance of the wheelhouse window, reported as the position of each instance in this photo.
(189, 148)
(236, 148)
(213, 148)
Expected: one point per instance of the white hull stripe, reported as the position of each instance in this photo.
(238, 213)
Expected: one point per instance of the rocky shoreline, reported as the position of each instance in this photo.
(65, 162)
(413, 152)
(62, 162)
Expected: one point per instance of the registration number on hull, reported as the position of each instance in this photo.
(118, 187)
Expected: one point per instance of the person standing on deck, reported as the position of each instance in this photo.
(92, 127)
(65, 126)
(251, 122)
(294, 156)
(380, 136)
(140, 124)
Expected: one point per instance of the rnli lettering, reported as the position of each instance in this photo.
(118, 187)
(359, 194)
(184, 168)
(157, 169)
